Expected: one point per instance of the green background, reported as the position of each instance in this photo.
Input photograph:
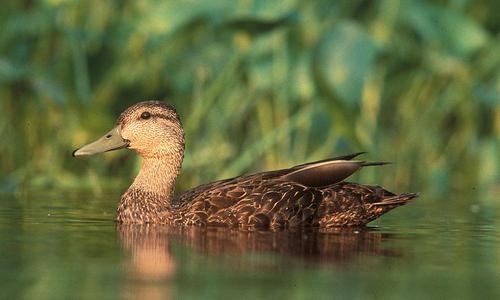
(258, 84)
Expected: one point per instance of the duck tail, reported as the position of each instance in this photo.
(396, 200)
(380, 207)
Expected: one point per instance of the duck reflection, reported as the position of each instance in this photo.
(152, 265)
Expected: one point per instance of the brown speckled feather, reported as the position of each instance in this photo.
(269, 200)
(266, 200)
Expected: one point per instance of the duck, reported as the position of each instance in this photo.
(313, 194)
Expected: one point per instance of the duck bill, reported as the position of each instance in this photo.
(109, 142)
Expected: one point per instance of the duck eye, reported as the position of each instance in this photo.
(145, 115)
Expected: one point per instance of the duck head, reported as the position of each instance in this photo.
(151, 128)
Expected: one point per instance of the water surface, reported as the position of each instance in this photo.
(62, 247)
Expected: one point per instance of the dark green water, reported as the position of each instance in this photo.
(66, 247)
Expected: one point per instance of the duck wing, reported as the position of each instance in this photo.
(282, 198)
(313, 174)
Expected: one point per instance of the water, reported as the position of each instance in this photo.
(66, 247)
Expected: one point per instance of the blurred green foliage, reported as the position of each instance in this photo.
(258, 84)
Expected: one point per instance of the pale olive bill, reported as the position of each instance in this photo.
(112, 140)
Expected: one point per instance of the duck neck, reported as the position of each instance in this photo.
(157, 176)
(148, 199)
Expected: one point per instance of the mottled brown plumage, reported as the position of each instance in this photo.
(308, 195)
